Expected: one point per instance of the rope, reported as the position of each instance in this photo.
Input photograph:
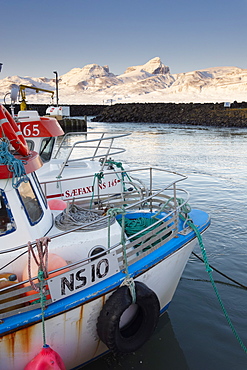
(113, 212)
(120, 165)
(98, 176)
(14, 165)
(221, 273)
(134, 226)
(42, 263)
(209, 271)
(75, 216)
(42, 303)
(185, 208)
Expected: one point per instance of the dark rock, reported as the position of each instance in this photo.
(207, 114)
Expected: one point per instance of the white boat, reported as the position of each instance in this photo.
(65, 162)
(104, 272)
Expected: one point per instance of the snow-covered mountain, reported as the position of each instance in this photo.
(151, 82)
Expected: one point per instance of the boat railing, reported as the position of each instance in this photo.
(142, 184)
(99, 150)
(161, 205)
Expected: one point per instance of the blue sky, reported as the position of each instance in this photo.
(42, 36)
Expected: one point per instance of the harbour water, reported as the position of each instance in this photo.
(194, 333)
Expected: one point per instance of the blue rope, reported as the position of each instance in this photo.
(14, 165)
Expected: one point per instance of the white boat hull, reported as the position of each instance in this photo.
(73, 334)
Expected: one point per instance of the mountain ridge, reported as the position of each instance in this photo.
(150, 82)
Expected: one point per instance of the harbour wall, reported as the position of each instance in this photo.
(207, 114)
(191, 114)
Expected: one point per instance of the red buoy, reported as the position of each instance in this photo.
(47, 359)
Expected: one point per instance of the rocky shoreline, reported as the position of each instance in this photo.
(207, 114)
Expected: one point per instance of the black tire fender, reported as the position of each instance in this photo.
(134, 334)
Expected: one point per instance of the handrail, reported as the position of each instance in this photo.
(65, 137)
(135, 205)
(97, 148)
(183, 177)
(94, 156)
(88, 259)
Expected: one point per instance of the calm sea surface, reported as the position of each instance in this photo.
(194, 333)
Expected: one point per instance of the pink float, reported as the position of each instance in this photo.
(57, 204)
(47, 359)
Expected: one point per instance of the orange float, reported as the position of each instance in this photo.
(54, 262)
(9, 128)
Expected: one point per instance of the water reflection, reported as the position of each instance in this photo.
(215, 160)
(162, 352)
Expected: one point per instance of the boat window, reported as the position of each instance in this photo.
(96, 250)
(7, 223)
(39, 189)
(30, 202)
(30, 144)
(46, 148)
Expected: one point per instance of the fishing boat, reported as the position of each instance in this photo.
(94, 277)
(93, 173)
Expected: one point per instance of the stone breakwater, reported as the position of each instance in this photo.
(191, 114)
(207, 114)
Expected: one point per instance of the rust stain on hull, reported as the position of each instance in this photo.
(20, 341)
(79, 323)
(103, 299)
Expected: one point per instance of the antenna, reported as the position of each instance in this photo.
(56, 86)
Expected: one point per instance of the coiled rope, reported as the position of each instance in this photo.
(75, 216)
(133, 226)
(136, 225)
(14, 165)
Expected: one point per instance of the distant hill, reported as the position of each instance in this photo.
(150, 82)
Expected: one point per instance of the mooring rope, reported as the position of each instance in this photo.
(42, 303)
(120, 165)
(42, 263)
(209, 271)
(98, 176)
(221, 273)
(184, 207)
(129, 281)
